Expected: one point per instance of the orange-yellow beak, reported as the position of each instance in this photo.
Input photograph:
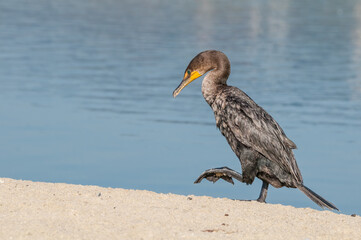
(188, 78)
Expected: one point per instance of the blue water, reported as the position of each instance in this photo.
(86, 92)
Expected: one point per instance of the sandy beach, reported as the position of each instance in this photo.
(36, 210)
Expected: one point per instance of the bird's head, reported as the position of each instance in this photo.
(201, 64)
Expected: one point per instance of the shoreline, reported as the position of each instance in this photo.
(37, 210)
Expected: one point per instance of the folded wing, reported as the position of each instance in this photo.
(255, 128)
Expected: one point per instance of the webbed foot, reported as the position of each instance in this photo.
(225, 173)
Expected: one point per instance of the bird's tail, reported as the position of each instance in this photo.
(317, 198)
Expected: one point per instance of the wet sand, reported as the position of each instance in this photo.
(36, 210)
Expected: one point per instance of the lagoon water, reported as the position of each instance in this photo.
(86, 92)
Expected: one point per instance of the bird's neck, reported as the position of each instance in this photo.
(212, 83)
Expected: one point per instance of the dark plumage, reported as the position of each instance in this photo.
(255, 137)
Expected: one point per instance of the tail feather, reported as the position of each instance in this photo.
(317, 198)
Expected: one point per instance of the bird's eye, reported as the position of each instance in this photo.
(189, 72)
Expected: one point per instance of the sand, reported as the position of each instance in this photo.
(36, 210)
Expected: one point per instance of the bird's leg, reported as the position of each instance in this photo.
(263, 193)
(214, 174)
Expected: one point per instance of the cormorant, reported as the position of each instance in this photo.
(255, 137)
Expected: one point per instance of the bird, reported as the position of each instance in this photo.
(262, 147)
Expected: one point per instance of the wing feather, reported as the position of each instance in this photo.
(255, 128)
